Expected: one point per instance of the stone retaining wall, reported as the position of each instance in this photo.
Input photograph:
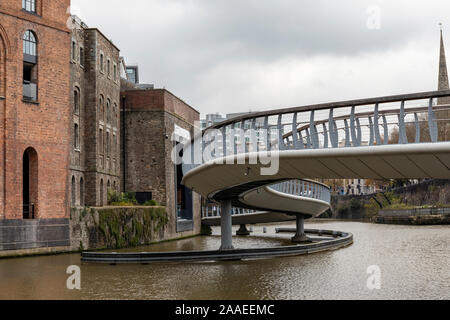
(415, 212)
(430, 192)
(116, 227)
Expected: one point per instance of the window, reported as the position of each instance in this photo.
(132, 74)
(114, 115)
(108, 143)
(29, 5)
(114, 143)
(30, 66)
(108, 111)
(74, 51)
(101, 107)
(81, 56)
(102, 193)
(29, 43)
(76, 101)
(76, 137)
(73, 198)
(115, 73)
(100, 140)
(108, 68)
(102, 64)
(82, 192)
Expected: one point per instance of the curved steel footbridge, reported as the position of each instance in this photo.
(259, 161)
(261, 167)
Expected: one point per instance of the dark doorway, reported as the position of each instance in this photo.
(184, 202)
(30, 184)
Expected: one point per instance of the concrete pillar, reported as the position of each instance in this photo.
(226, 226)
(300, 235)
(243, 231)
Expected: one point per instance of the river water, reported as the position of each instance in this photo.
(414, 264)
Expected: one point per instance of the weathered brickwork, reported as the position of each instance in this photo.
(149, 118)
(41, 126)
(95, 130)
(60, 126)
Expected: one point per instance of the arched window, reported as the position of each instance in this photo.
(76, 136)
(74, 197)
(100, 140)
(101, 106)
(114, 115)
(76, 101)
(29, 43)
(82, 56)
(102, 63)
(108, 111)
(113, 144)
(29, 66)
(82, 192)
(74, 50)
(29, 5)
(108, 143)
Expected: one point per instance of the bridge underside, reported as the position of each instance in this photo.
(412, 161)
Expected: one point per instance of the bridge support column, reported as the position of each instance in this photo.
(226, 226)
(300, 235)
(243, 231)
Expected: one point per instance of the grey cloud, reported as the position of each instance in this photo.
(181, 43)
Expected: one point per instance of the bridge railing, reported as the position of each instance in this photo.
(401, 119)
(301, 188)
(212, 210)
(304, 188)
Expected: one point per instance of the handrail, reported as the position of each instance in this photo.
(339, 104)
(224, 134)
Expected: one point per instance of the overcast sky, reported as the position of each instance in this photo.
(239, 55)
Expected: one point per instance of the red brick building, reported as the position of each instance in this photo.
(60, 129)
(34, 121)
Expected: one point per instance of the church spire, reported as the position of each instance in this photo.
(443, 73)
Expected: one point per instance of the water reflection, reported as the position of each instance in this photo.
(415, 264)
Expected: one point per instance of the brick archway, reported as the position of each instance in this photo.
(30, 183)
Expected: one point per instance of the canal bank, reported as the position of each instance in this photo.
(417, 217)
(419, 204)
(91, 229)
(404, 255)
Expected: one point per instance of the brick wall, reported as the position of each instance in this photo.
(149, 118)
(93, 161)
(42, 126)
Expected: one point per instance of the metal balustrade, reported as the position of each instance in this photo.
(304, 188)
(365, 122)
(213, 210)
(301, 188)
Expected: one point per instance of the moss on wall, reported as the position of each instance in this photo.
(116, 228)
(131, 226)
